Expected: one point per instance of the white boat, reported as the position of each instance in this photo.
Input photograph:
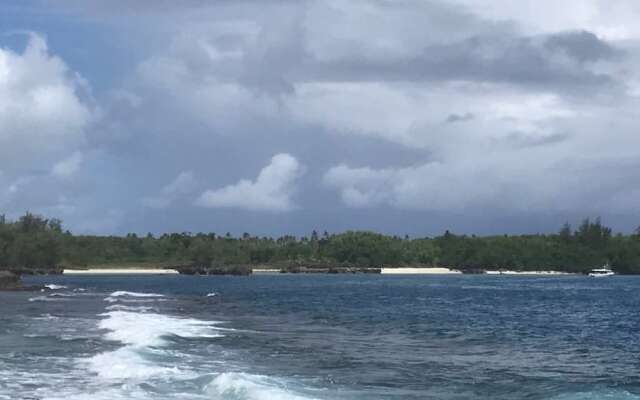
(601, 272)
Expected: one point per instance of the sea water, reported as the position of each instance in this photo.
(285, 337)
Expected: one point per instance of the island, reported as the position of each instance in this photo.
(34, 244)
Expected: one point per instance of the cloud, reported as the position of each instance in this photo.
(271, 191)
(42, 115)
(584, 46)
(46, 112)
(414, 109)
(453, 118)
(431, 186)
(184, 184)
(68, 167)
(412, 116)
(612, 20)
(495, 186)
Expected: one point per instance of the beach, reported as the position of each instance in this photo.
(120, 271)
(421, 271)
(528, 273)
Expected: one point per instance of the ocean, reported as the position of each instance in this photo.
(296, 337)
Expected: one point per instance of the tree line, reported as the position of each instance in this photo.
(34, 242)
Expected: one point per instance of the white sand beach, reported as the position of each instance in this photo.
(120, 271)
(408, 271)
(448, 271)
(527, 273)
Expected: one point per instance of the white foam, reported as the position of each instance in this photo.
(109, 394)
(242, 386)
(121, 293)
(126, 363)
(212, 294)
(149, 329)
(133, 297)
(45, 298)
(46, 317)
(61, 295)
(54, 287)
(122, 307)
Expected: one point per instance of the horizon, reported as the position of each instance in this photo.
(281, 117)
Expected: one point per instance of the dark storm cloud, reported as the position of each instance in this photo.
(520, 61)
(583, 46)
(281, 55)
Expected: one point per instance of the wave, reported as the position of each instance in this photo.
(212, 294)
(127, 363)
(150, 329)
(144, 336)
(52, 286)
(122, 293)
(134, 297)
(46, 298)
(149, 362)
(46, 317)
(122, 307)
(62, 295)
(242, 386)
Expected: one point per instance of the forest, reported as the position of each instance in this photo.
(35, 243)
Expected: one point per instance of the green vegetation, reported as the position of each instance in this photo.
(34, 243)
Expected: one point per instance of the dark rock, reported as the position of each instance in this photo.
(9, 281)
(473, 271)
(318, 269)
(37, 271)
(222, 270)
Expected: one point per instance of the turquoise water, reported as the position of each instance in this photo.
(322, 337)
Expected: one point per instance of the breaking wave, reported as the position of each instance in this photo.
(52, 286)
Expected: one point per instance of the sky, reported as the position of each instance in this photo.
(286, 116)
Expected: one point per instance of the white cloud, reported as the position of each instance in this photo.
(42, 116)
(516, 183)
(185, 183)
(45, 112)
(415, 115)
(612, 20)
(430, 186)
(271, 191)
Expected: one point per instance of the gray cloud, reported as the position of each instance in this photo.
(520, 139)
(453, 118)
(583, 46)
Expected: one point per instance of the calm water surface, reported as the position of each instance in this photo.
(322, 337)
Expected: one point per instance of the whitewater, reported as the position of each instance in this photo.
(143, 360)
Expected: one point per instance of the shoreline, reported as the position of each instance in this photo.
(420, 271)
(274, 271)
(528, 273)
(120, 271)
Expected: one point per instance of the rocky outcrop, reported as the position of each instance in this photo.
(9, 281)
(38, 271)
(329, 270)
(203, 270)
